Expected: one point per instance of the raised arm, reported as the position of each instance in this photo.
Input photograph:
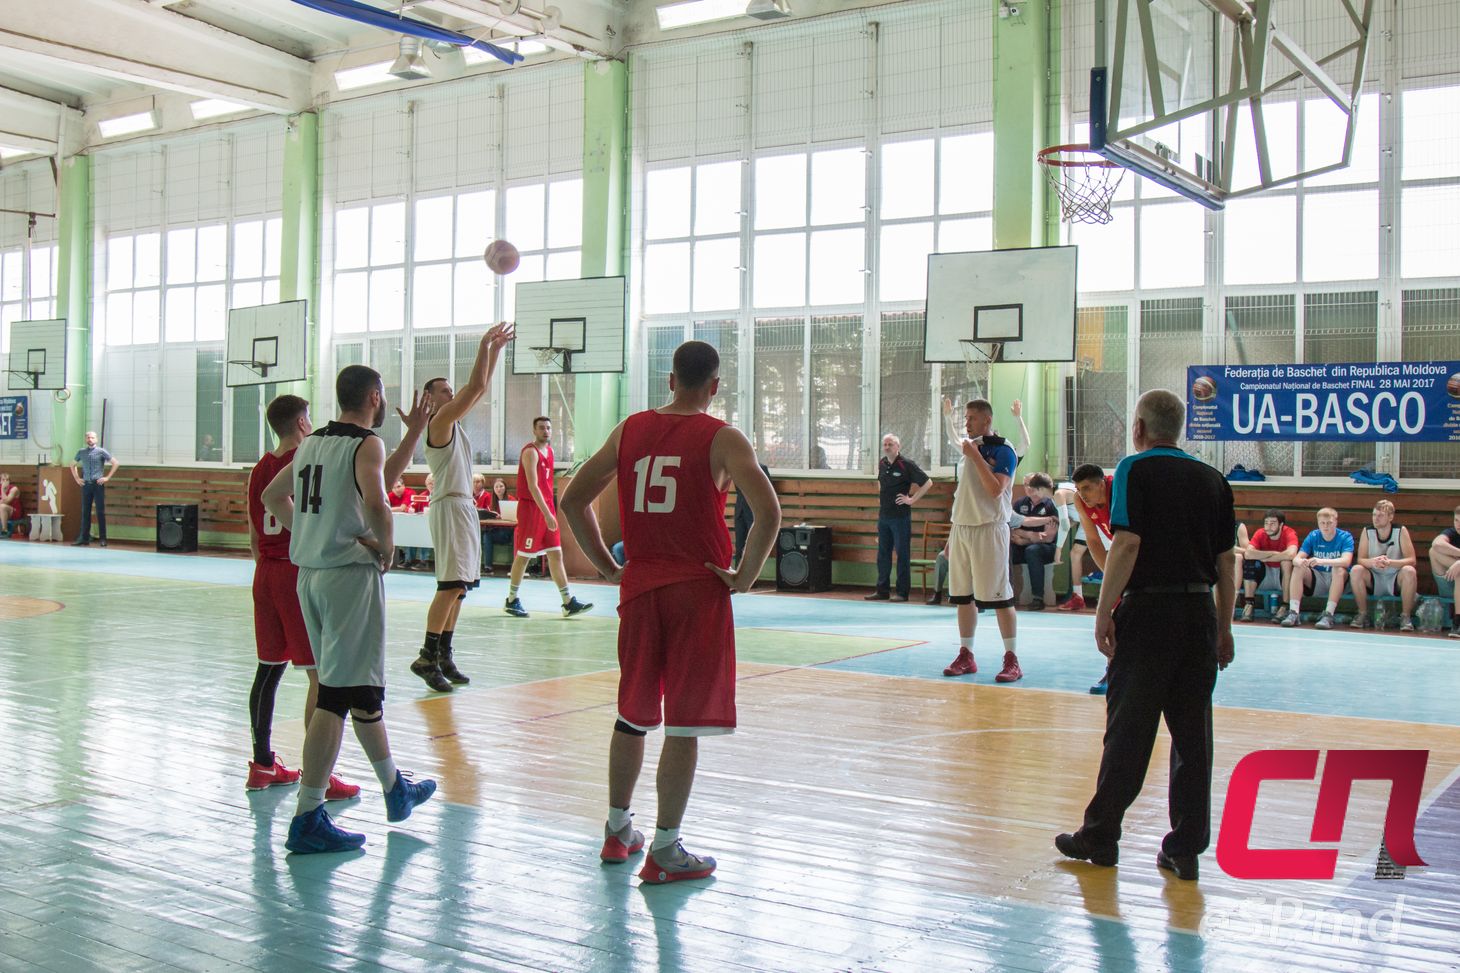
(576, 505)
(489, 350)
(415, 422)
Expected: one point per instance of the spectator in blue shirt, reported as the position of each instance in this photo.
(91, 472)
(1321, 568)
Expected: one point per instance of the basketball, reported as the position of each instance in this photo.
(502, 257)
(1453, 386)
(1204, 389)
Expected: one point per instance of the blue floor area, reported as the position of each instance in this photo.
(1338, 673)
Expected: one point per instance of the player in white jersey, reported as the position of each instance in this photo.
(331, 497)
(455, 528)
(978, 546)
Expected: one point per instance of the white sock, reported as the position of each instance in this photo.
(1009, 645)
(1294, 604)
(309, 799)
(567, 595)
(664, 838)
(1331, 607)
(385, 773)
(618, 818)
(966, 641)
(511, 591)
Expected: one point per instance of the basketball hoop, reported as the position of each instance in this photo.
(1085, 181)
(556, 357)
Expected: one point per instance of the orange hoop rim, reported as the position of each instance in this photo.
(1046, 157)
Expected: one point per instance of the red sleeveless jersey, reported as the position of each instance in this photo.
(1101, 514)
(672, 512)
(273, 537)
(544, 481)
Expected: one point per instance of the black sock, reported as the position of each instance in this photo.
(446, 641)
(261, 711)
(433, 645)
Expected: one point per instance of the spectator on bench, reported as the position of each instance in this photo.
(1386, 560)
(1445, 567)
(1034, 546)
(1319, 569)
(400, 497)
(10, 505)
(1267, 560)
(940, 564)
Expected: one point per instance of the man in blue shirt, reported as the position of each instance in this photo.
(90, 471)
(1320, 568)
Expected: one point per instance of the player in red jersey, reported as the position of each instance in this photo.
(537, 532)
(1092, 500)
(279, 630)
(676, 640)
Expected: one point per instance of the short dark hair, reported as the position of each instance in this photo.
(432, 384)
(1277, 515)
(980, 405)
(541, 419)
(695, 363)
(1087, 471)
(354, 385)
(283, 412)
(1041, 480)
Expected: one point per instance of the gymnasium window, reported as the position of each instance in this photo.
(369, 263)
(27, 287)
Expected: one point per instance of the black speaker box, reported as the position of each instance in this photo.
(177, 527)
(803, 559)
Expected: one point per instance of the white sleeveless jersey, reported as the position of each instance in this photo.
(1388, 548)
(329, 515)
(450, 465)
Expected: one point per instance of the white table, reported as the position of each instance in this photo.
(411, 530)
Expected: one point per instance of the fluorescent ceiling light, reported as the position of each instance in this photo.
(144, 121)
(688, 12)
(364, 76)
(525, 48)
(9, 153)
(214, 108)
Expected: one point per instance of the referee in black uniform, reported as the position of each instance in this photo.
(1164, 634)
(901, 483)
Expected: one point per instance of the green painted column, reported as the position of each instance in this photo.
(1025, 107)
(73, 303)
(599, 403)
(299, 246)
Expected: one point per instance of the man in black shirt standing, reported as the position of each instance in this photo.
(902, 484)
(1166, 639)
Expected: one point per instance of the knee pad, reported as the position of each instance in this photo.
(333, 699)
(960, 599)
(462, 596)
(622, 727)
(379, 715)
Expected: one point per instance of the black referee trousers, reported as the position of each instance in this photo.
(1165, 665)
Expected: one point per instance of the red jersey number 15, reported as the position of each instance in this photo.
(650, 472)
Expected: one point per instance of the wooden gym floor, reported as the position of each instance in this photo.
(869, 814)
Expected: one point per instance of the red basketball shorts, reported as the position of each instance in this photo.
(278, 624)
(676, 656)
(532, 536)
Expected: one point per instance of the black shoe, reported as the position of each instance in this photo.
(573, 607)
(898, 598)
(514, 608)
(936, 598)
(449, 670)
(1037, 605)
(103, 542)
(79, 542)
(1075, 846)
(878, 596)
(1183, 867)
(425, 666)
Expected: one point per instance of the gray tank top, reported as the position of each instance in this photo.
(1387, 548)
(450, 464)
(329, 515)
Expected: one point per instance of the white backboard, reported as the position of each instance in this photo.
(587, 316)
(1020, 302)
(266, 343)
(36, 358)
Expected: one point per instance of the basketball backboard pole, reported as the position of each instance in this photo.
(1172, 52)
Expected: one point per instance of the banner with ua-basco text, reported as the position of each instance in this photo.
(1343, 402)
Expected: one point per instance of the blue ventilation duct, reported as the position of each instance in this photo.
(364, 13)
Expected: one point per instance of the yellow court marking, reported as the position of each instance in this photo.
(14, 607)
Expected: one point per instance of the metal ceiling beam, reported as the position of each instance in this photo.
(35, 124)
(133, 41)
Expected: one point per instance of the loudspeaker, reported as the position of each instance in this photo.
(803, 559)
(177, 527)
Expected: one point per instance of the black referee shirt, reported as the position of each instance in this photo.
(1181, 509)
(897, 477)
